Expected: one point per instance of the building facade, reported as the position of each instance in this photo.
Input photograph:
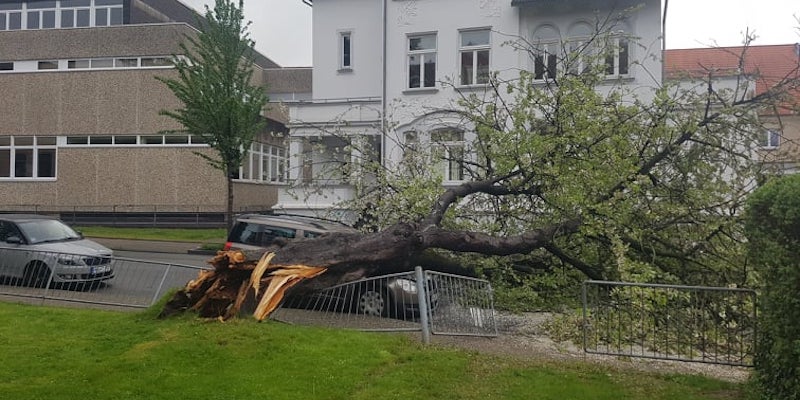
(382, 69)
(79, 113)
(773, 67)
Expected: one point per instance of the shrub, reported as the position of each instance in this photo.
(772, 226)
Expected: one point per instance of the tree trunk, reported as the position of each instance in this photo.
(229, 201)
(344, 257)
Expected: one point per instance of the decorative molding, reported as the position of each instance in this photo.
(490, 8)
(408, 11)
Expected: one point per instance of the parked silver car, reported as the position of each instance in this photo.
(37, 250)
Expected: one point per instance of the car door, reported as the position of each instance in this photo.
(13, 254)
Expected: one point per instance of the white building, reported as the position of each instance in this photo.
(382, 67)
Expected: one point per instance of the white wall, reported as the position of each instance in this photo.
(363, 19)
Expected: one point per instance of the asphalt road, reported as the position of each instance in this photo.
(175, 258)
(140, 278)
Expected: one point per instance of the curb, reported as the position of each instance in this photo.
(152, 246)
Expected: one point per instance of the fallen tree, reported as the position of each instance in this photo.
(612, 184)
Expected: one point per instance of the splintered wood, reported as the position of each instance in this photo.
(222, 292)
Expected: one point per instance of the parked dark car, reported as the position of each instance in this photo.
(391, 296)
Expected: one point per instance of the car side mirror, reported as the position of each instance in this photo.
(14, 240)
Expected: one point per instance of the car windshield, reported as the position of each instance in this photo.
(47, 230)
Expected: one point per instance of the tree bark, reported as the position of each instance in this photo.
(345, 257)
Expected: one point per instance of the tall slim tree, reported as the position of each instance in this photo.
(220, 104)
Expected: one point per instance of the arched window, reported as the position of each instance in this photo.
(448, 146)
(546, 42)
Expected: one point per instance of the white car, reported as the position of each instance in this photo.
(40, 250)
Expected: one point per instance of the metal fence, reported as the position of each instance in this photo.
(104, 282)
(685, 323)
(425, 301)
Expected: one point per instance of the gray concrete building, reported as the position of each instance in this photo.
(79, 113)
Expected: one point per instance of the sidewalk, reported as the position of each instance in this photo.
(152, 246)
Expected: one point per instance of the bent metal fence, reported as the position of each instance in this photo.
(684, 323)
(425, 301)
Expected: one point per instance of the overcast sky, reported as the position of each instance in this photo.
(282, 28)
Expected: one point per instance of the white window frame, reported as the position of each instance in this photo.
(108, 9)
(581, 54)
(93, 8)
(7, 17)
(613, 53)
(423, 54)
(40, 16)
(474, 78)
(107, 63)
(548, 52)
(75, 10)
(35, 148)
(265, 163)
(345, 50)
(772, 139)
(453, 154)
(124, 141)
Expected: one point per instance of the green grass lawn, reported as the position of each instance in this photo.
(168, 234)
(61, 353)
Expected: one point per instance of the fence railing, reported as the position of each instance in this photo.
(444, 304)
(416, 301)
(686, 323)
(105, 282)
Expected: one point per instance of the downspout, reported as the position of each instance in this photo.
(664, 43)
(383, 84)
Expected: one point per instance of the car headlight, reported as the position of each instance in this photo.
(408, 286)
(69, 261)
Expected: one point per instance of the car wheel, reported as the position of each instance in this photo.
(37, 274)
(374, 302)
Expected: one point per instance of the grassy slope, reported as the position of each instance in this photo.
(168, 234)
(53, 353)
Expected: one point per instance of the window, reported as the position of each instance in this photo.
(771, 139)
(422, 61)
(47, 65)
(449, 145)
(28, 157)
(49, 14)
(41, 14)
(11, 16)
(102, 63)
(545, 61)
(580, 56)
(173, 140)
(75, 13)
(93, 63)
(156, 62)
(108, 12)
(126, 63)
(77, 64)
(265, 163)
(474, 56)
(345, 50)
(617, 60)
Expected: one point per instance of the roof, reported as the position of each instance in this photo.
(768, 65)
(176, 11)
(288, 80)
